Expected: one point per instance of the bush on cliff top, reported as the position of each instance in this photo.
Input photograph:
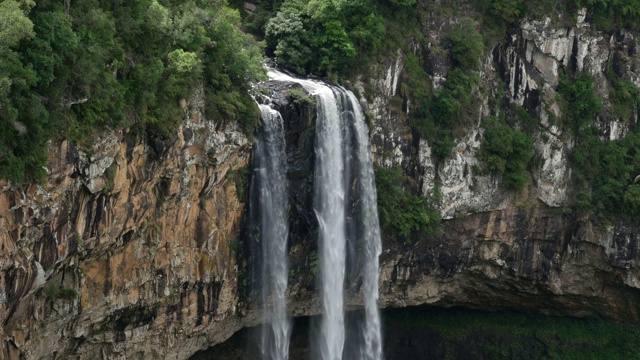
(99, 64)
(334, 37)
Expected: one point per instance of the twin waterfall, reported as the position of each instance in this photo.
(346, 211)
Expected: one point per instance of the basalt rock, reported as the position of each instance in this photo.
(124, 252)
(532, 258)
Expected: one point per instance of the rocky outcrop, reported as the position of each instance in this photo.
(500, 248)
(527, 257)
(125, 251)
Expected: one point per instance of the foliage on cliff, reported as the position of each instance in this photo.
(70, 68)
(506, 151)
(438, 115)
(324, 37)
(332, 37)
(401, 212)
(606, 15)
(605, 171)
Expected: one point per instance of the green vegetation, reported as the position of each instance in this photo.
(513, 335)
(335, 37)
(109, 178)
(77, 239)
(300, 97)
(69, 69)
(607, 15)
(55, 292)
(624, 98)
(604, 175)
(506, 151)
(604, 171)
(241, 178)
(438, 116)
(402, 213)
(233, 246)
(96, 64)
(611, 14)
(581, 103)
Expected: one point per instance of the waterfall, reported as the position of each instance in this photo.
(371, 234)
(339, 125)
(274, 230)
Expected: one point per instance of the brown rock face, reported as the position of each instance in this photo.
(124, 253)
(530, 258)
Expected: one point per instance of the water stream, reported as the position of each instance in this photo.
(343, 172)
(274, 229)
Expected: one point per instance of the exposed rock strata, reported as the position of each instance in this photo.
(528, 257)
(123, 253)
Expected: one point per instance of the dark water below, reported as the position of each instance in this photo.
(460, 334)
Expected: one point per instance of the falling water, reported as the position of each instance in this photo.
(274, 229)
(339, 120)
(371, 233)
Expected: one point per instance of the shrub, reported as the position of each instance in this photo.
(632, 199)
(608, 14)
(241, 179)
(604, 171)
(300, 97)
(624, 98)
(402, 213)
(434, 117)
(506, 151)
(581, 103)
(509, 10)
(325, 37)
(466, 46)
(286, 33)
(404, 2)
(55, 292)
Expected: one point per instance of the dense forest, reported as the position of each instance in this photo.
(69, 69)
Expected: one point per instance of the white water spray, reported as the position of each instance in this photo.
(333, 152)
(274, 230)
(371, 234)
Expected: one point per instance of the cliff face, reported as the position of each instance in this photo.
(134, 251)
(529, 67)
(522, 257)
(125, 251)
(500, 248)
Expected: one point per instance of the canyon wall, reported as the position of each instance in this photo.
(133, 249)
(128, 249)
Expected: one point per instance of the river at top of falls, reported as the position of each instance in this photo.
(342, 157)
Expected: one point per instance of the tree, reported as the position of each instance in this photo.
(506, 151)
(15, 23)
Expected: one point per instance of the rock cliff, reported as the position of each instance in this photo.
(134, 250)
(500, 248)
(128, 249)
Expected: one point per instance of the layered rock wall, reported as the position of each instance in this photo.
(499, 248)
(125, 251)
